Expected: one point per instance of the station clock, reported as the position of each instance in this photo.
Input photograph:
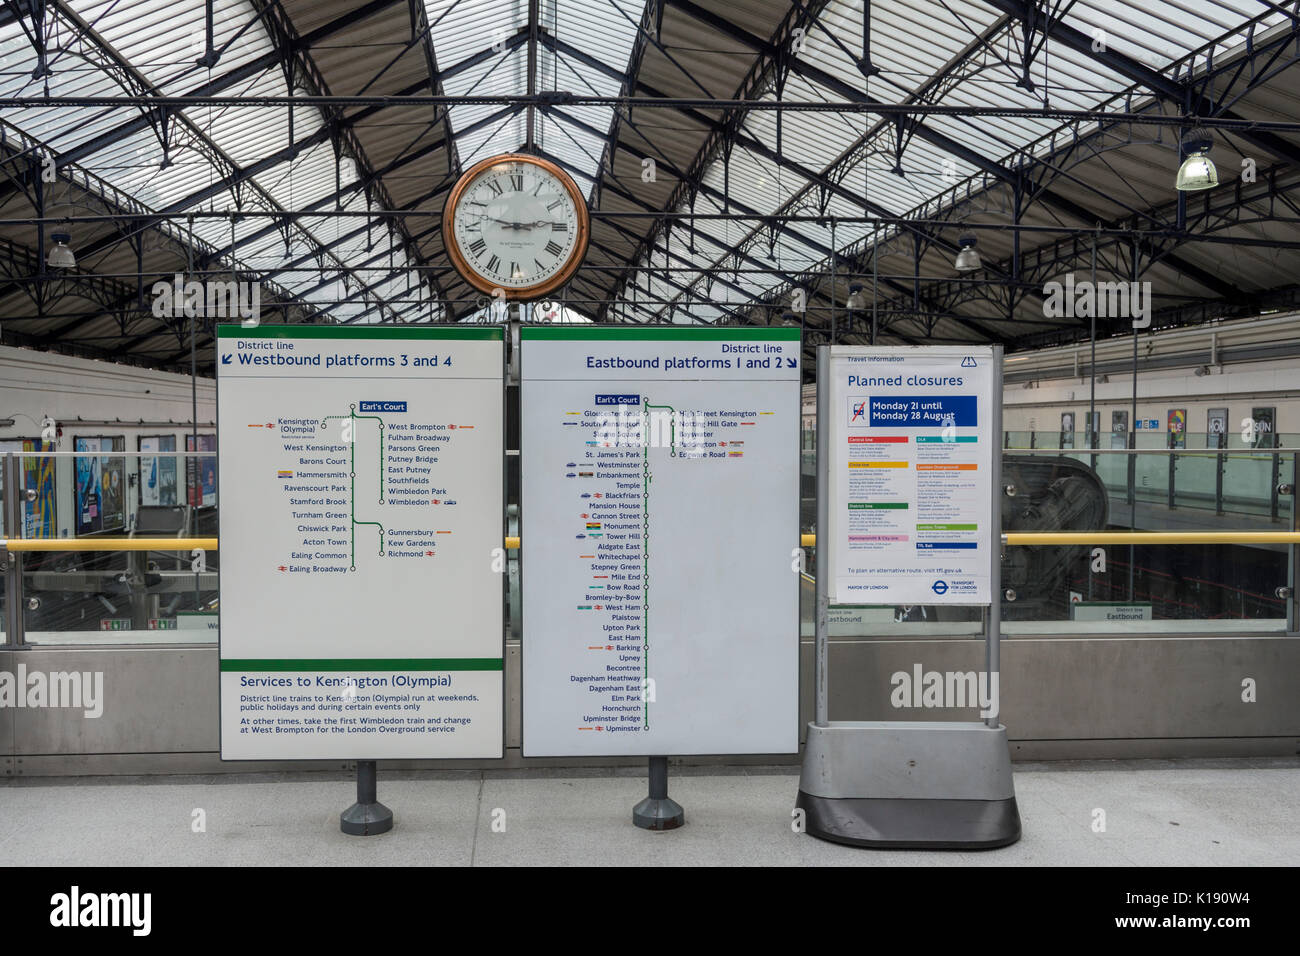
(518, 223)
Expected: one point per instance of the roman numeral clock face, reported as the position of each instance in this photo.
(516, 223)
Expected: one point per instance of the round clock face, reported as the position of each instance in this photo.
(516, 223)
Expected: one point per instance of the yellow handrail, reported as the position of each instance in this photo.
(1151, 537)
(1041, 538)
(109, 544)
(1015, 538)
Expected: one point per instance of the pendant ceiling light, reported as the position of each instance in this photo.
(968, 260)
(61, 257)
(857, 300)
(1197, 171)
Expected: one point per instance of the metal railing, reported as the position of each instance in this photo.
(18, 580)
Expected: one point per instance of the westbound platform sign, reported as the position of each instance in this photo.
(361, 473)
(911, 464)
(660, 523)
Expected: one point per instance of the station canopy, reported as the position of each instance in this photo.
(709, 208)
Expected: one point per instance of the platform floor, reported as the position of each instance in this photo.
(1157, 813)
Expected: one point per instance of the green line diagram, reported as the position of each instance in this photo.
(645, 536)
(672, 427)
(352, 417)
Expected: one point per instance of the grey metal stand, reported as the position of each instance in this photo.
(658, 811)
(906, 784)
(366, 817)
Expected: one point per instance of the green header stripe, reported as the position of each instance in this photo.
(657, 334)
(480, 332)
(229, 665)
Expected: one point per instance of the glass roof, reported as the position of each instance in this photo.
(913, 41)
(357, 269)
(603, 29)
(160, 40)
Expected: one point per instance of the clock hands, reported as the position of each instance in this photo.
(520, 225)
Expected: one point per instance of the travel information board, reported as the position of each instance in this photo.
(910, 464)
(362, 503)
(660, 524)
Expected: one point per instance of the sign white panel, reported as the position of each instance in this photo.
(660, 524)
(911, 462)
(362, 505)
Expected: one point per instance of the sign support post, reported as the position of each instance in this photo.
(366, 817)
(822, 556)
(909, 784)
(993, 631)
(658, 811)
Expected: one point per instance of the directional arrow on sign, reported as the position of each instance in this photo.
(225, 359)
(791, 363)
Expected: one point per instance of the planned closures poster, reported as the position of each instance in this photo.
(910, 462)
(660, 510)
(361, 602)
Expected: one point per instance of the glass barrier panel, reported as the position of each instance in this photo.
(162, 595)
(1106, 589)
(104, 491)
(1249, 482)
(121, 597)
(1113, 472)
(1197, 478)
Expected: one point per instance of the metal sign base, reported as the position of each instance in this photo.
(366, 817)
(909, 784)
(658, 811)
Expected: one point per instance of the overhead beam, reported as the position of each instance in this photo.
(941, 140)
(759, 71)
(1166, 88)
(750, 213)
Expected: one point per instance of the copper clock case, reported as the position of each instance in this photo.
(461, 263)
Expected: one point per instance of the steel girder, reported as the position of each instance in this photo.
(1013, 177)
(1184, 95)
(1225, 209)
(235, 177)
(284, 38)
(651, 18)
(771, 63)
(336, 128)
(738, 250)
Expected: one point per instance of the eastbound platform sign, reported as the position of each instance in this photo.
(910, 474)
(660, 509)
(362, 491)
